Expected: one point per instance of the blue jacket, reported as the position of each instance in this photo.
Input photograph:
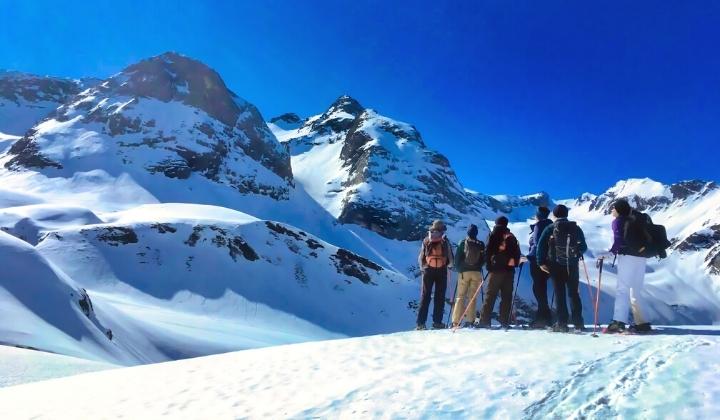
(537, 230)
(543, 245)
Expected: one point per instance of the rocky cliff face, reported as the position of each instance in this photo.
(167, 115)
(383, 176)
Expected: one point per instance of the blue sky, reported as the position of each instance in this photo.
(561, 96)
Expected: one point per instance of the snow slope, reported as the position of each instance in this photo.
(41, 307)
(159, 274)
(432, 374)
(19, 366)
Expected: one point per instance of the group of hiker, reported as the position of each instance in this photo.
(556, 248)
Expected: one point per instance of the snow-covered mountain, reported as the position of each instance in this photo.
(372, 171)
(194, 227)
(165, 117)
(26, 99)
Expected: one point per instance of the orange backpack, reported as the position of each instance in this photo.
(435, 254)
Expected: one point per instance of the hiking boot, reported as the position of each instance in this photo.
(420, 327)
(641, 328)
(615, 327)
(482, 325)
(579, 327)
(538, 324)
(438, 326)
(467, 324)
(560, 328)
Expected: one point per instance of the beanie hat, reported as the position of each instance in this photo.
(622, 207)
(472, 231)
(501, 221)
(438, 225)
(560, 211)
(542, 213)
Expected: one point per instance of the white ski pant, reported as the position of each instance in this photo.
(630, 278)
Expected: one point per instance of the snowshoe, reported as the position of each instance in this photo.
(560, 328)
(438, 326)
(482, 326)
(644, 328)
(615, 327)
(420, 327)
(467, 324)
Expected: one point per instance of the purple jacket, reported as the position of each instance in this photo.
(618, 241)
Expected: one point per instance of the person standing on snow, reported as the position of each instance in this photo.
(539, 277)
(434, 260)
(559, 250)
(502, 256)
(469, 260)
(630, 271)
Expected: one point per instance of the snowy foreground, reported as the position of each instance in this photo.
(432, 374)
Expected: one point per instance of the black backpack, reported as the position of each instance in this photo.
(564, 242)
(474, 253)
(644, 238)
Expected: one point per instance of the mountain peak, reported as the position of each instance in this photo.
(346, 103)
(173, 76)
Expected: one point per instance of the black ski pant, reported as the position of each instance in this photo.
(498, 282)
(566, 279)
(540, 280)
(433, 277)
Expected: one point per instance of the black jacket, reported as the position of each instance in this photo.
(493, 253)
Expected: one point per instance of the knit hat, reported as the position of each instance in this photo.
(501, 221)
(542, 213)
(438, 225)
(560, 211)
(622, 207)
(472, 231)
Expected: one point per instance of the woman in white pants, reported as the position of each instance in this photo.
(631, 274)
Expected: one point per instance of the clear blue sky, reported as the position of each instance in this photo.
(521, 96)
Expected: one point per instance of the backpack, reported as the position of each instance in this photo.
(501, 257)
(474, 253)
(644, 238)
(435, 250)
(565, 245)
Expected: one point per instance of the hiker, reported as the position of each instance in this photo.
(558, 253)
(630, 270)
(469, 260)
(434, 261)
(543, 318)
(501, 257)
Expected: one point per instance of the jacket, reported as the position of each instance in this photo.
(537, 230)
(512, 250)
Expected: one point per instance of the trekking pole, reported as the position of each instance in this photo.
(599, 265)
(587, 277)
(512, 302)
(474, 296)
(452, 304)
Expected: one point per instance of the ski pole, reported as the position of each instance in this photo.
(474, 296)
(599, 265)
(587, 277)
(512, 302)
(452, 304)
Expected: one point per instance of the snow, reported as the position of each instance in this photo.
(19, 366)
(432, 374)
(644, 188)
